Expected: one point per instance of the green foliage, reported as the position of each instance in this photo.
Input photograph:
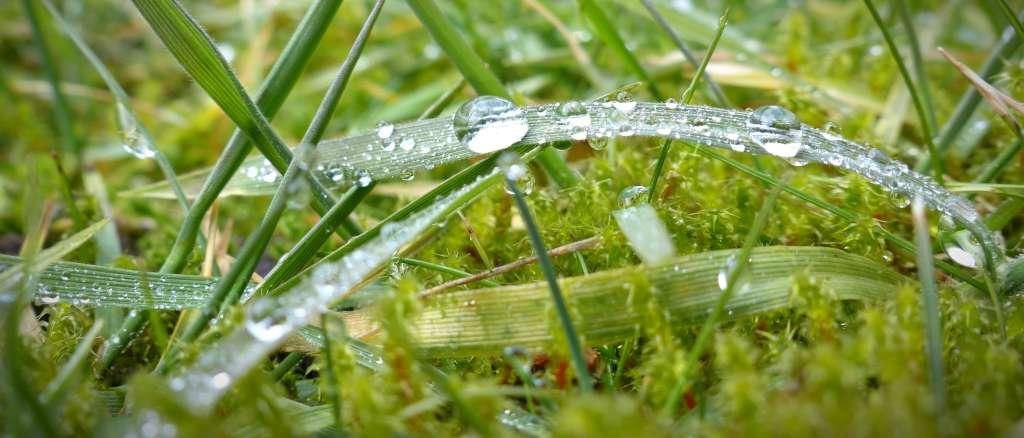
(824, 335)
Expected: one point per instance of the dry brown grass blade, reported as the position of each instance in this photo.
(1001, 102)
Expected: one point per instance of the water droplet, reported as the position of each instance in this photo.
(406, 175)
(512, 166)
(407, 144)
(832, 131)
(221, 380)
(385, 129)
(298, 193)
(776, 130)
(575, 115)
(632, 195)
(726, 272)
(135, 142)
(363, 178)
(388, 145)
(487, 124)
(600, 143)
(624, 102)
(671, 103)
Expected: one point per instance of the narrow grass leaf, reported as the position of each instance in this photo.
(930, 307)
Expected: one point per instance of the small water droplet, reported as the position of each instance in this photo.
(961, 256)
(624, 102)
(671, 103)
(385, 129)
(135, 142)
(513, 167)
(832, 131)
(487, 124)
(221, 380)
(363, 178)
(407, 144)
(726, 272)
(632, 195)
(600, 143)
(575, 115)
(776, 130)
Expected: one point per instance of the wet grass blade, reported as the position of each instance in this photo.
(195, 51)
(930, 307)
(278, 84)
(485, 321)
(927, 130)
(513, 171)
(229, 289)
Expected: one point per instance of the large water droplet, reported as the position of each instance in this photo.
(575, 115)
(488, 124)
(135, 142)
(363, 178)
(385, 129)
(632, 195)
(776, 130)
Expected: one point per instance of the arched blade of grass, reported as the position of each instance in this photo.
(136, 136)
(229, 288)
(270, 320)
(606, 31)
(715, 91)
(927, 130)
(61, 110)
(915, 55)
(482, 79)
(195, 51)
(930, 307)
(279, 82)
(733, 275)
(965, 107)
(687, 97)
(514, 169)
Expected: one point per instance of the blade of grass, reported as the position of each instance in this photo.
(969, 101)
(272, 318)
(606, 31)
(687, 97)
(136, 134)
(927, 130)
(229, 288)
(715, 91)
(514, 169)
(332, 380)
(441, 268)
(300, 255)
(195, 51)
(915, 55)
(930, 307)
(1011, 16)
(61, 110)
(279, 83)
(480, 77)
(700, 344)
